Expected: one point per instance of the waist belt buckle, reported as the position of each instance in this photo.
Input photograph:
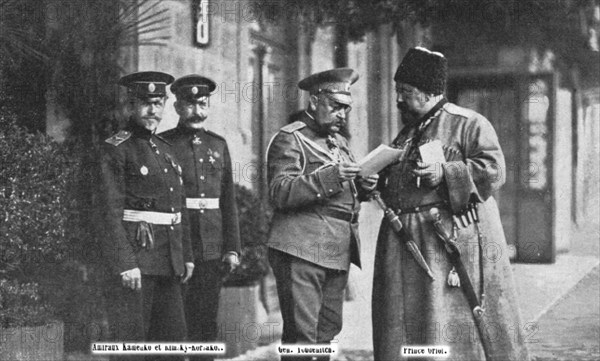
(176, 219)
(202, 203)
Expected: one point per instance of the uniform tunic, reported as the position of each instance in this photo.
(314, 231)
(408, 308)
(139, 173)
(303, 187)
(207, 176)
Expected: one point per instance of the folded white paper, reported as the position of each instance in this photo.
(432, 152)
(378, 159)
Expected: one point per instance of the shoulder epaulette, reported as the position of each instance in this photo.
(292, 127)
(119, 138)
(457, 110)
(210, 132)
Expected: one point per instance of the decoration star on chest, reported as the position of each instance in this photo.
(212, 155)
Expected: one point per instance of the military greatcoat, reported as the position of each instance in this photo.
(408, 308)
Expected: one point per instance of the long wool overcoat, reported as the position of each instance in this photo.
(408, 308)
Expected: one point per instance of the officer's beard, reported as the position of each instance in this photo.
(407, 114)
(150, 123)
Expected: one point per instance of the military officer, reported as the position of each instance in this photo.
(209, 188)
(314, 188)
(147, 243)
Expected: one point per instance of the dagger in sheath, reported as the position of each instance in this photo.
(477, 308)
(398, 228)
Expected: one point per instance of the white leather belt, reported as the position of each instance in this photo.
(202, 203)
(151, 217)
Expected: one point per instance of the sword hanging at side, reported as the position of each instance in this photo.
(476, 307)
(398, 228)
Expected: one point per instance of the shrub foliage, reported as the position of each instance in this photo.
(35, 213)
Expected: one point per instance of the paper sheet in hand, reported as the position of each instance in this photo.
(432, 152)
(378, 159)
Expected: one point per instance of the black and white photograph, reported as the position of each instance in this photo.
(299, 180)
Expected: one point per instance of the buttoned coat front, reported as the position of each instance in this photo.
(303, 184)
(207, 174)
(139, 173)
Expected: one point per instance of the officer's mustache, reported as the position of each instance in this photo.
(196, 119)
(327, 128)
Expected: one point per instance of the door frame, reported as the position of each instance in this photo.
(532, 245)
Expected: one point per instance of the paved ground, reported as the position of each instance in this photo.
(570, 330)
(562, 299)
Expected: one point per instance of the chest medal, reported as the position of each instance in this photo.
(212, 156)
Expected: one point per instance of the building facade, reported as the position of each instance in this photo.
(257, 60)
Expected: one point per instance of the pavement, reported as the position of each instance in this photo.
(570, 329)
(566, 328)
(559, 302)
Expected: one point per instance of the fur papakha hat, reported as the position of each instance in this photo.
(423, 69)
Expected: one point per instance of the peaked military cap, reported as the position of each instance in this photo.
(146, 84)
(192, 87)
(424, 69)
(335, 83)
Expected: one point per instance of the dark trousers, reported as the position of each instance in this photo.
(201, 295)
(154, 314)
(311, 298)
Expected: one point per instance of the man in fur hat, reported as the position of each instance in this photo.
(314, 188)
(408, 308)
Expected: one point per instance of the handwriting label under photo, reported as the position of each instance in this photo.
(432, 152)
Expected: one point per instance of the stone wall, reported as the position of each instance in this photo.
(224, 59)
